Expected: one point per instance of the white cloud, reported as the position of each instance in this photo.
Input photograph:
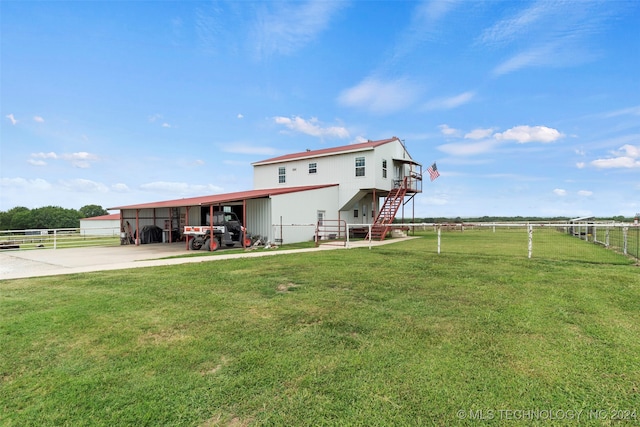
(120, 188)
(550, 34)
(166, 125)
(524, 134)
(628, 156)
(380, 97)
(425, 26)
(37, 162)
(38, 119)
(585, 193)
(153, 118)
(80, 159)
(631, 111)
(479, 133)
(290, 26)
(41, 155)
(358, 139)
(312, 127)
(449, 131)
(560, 192)
(631, 150)
(181, 188)
(12, 119)
(507, 29)
(537, 56)
(25, 184)
(240, 116)
(83, 185)
(468, 149)
(450, 102)
(580, 165)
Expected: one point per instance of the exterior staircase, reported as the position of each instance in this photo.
(382, 223)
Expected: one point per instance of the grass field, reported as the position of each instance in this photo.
(397, 335)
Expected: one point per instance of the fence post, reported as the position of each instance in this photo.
(637, 226)
(530, 232)
(55, 240)
(347, 243)
(369, 236)
(625, 239)
(439, 228)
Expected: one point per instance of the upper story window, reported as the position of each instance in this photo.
(384, 168)
(359, 166)
(313, 167)
(282, 175)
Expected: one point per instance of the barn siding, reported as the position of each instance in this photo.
(299, 213)
(259, 218)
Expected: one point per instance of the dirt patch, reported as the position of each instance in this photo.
(282, 288)
(167, 336)
(211, 370)
(230, 421)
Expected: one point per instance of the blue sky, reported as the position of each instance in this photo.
(528, 108)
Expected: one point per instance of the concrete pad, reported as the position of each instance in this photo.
(50, 262)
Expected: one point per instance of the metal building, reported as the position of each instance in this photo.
(361, 183)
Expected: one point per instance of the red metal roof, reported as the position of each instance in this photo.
(103, 217)
(222, 198)
(328, 151)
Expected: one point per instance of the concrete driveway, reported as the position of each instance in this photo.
(50, 262)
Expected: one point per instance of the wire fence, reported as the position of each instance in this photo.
(586, 242)
(599, 243)
(59, 238)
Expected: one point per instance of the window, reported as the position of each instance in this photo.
(282, 175)
(359, 166)
(384, 168)
(320, 217)
(313, 167)
(355, 213)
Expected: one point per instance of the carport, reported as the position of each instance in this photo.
(253, 207)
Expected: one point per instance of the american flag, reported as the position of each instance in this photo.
(433, 171)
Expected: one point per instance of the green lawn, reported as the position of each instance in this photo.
(396, 335)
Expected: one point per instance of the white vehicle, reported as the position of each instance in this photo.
(227, 230)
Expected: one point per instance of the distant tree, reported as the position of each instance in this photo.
(89, 211)
(54, 217)
(6, 218)
(20, 220)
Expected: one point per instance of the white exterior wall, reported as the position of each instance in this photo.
(334, 169)
(364, 206)
(301, 209)
(340, 169)
(259, 218)
(100, 227)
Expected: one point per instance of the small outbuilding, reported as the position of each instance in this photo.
(104, 225)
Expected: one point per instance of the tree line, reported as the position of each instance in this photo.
(460, 220)
(47, 217)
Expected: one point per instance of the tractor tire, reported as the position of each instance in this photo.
(210, 245)
(195, 244)
(247, 242)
